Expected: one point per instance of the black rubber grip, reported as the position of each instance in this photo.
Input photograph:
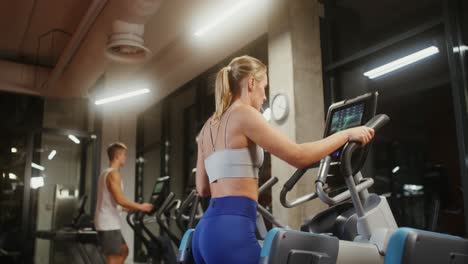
(267, 185)
(165, 204)
(185, 204)
(378, 121)
(298, 175)
(294, 179)
(375, 123)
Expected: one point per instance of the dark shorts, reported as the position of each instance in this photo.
(111, 241)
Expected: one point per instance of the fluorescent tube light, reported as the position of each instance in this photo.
(52, 154)
(412, 187)
(121, 96)
(396, 169)
(402, 62)
(74, 139)
(221, 17)
(460, 49)
(37, 182)
(37, 166)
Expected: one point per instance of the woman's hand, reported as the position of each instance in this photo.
(360, 134)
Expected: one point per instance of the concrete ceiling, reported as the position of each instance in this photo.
(36, 32)
(178, 55)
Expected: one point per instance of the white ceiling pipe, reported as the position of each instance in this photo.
(139, 11)
(126, 42)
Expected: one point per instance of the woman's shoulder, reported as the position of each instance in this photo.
(243, 113)
(242, 110)
(205, 125)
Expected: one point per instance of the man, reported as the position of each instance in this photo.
(110, 195)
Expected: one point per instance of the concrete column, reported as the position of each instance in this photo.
(295, 69)
(121, 126)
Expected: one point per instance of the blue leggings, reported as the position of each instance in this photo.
(226, 233)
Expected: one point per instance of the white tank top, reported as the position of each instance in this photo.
(107, 214)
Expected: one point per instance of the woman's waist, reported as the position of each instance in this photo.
(246, 187)
(232, 205)
(232, 172)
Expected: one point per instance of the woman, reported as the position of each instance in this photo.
(230, 154)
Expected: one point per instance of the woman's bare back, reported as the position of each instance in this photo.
(218, 135)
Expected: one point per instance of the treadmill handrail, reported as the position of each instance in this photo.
(339, 198)
(174, 205)
(267, 185)
(130, 219)
(193, 212)
(185, 203)
(375, 123)
(196, 212)
(322, 179)
(291, 183)
(262, 210)
(162, 224)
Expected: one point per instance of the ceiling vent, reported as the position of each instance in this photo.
(126, 44)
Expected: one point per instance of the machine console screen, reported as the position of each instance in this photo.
(347, 118)
(344, 119)
(158, 187)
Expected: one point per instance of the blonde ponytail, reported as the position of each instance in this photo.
(229, 77)
(223, 93)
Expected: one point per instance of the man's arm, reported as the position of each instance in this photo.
(113, 182)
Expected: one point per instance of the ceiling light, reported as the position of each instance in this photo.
(74, 139)
(37, 182)
(396, 169)
(121, 96)
(12, 176)
(52, 154)
(460, 49)
(36, 166)
(402, 62)
(221, 17)
(14, 150)
(412, 187)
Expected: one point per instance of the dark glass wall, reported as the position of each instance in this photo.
(416, 160)
(19, 115)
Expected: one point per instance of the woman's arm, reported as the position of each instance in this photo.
(201, 178)
(255, 127)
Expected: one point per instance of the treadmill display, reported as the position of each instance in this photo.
(158, 187)
(347, 118)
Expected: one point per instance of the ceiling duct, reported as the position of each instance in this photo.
(126, 42)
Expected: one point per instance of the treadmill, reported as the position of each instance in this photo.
(159, 248)
(80, 237)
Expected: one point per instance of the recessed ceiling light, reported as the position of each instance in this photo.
(74, 139)
(221, 17)
(121, 96)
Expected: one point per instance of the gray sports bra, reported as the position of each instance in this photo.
(233, 163)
